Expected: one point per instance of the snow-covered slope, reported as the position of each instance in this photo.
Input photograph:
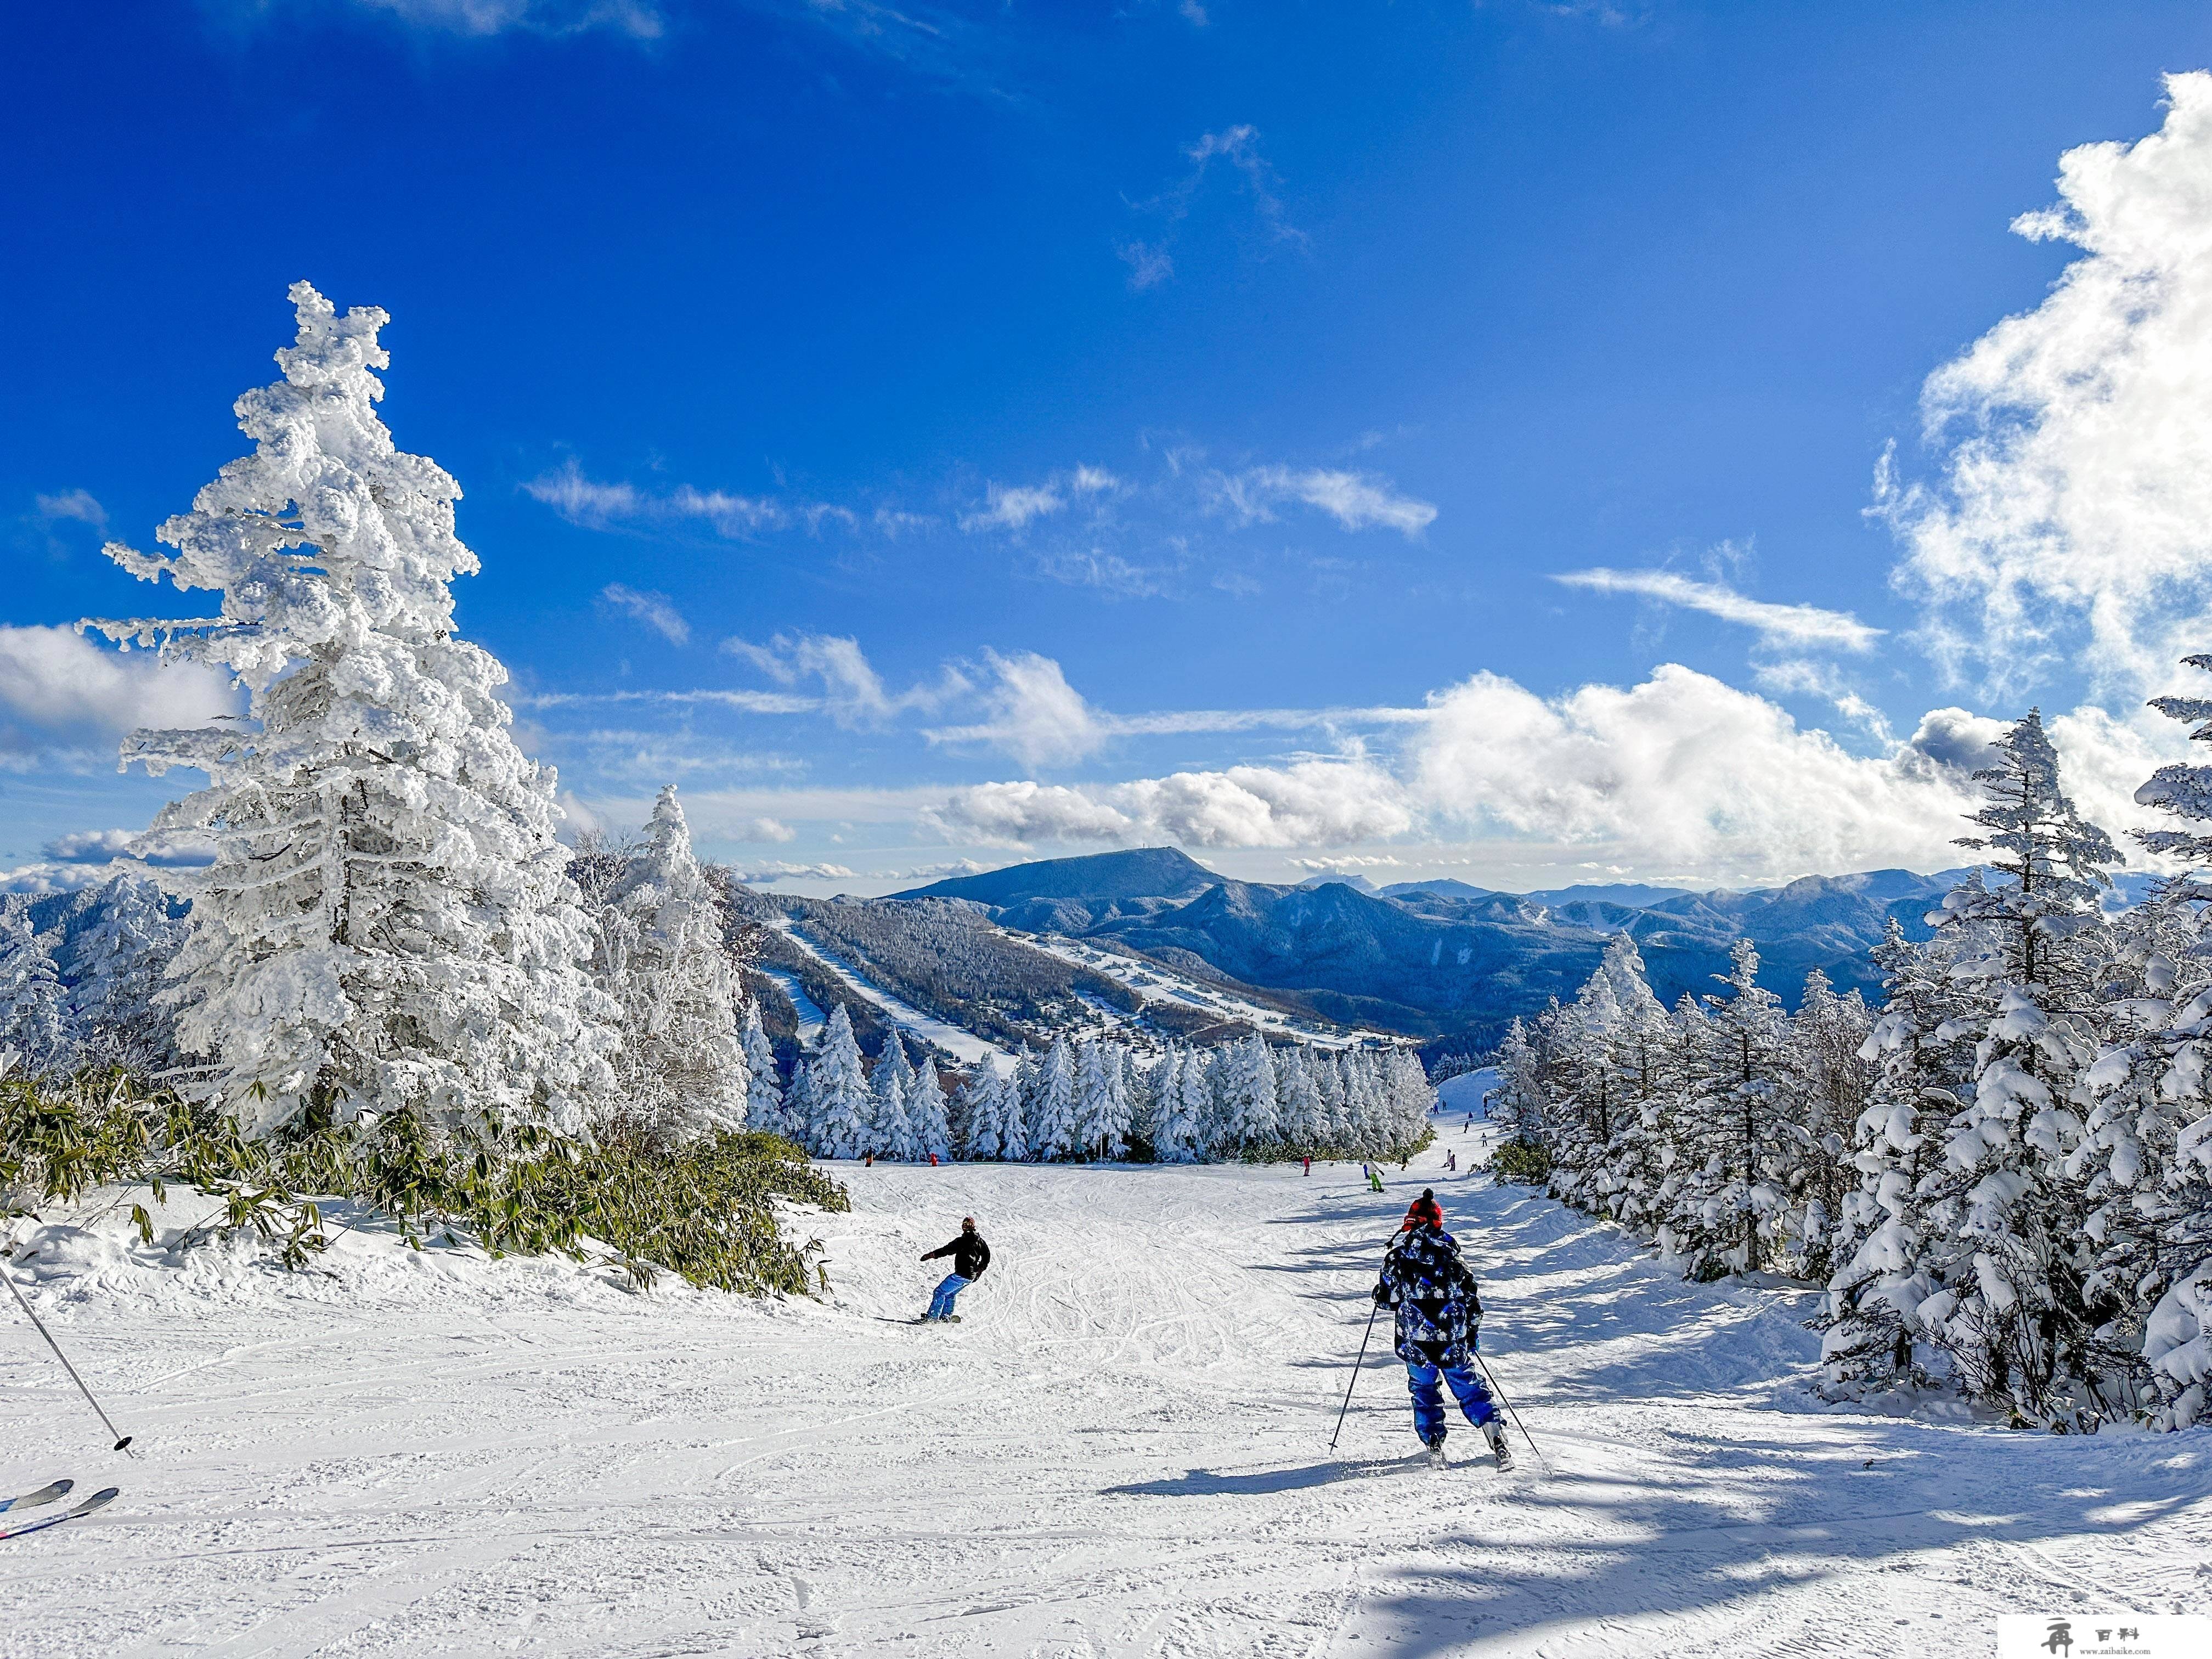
(1123, 1451)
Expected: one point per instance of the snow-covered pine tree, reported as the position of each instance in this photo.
(388, 922)
(1120, 1101)
(925, 1112)
(1826, 1084)
(1732, 1138)
(1333, 1129)
(981, 1114)
(116, 968)
(2001, 1222)
(34, 1013)
(1250, 1114)
(1051, 1109)
(1305, 1117)
(1094, 1100)
(681, 1070)
(764, 1102)
(891, 1128)
(1519, 1101)
(1918, 1054)
(837, 1091)
(1014, 1142)
(1177, 1125)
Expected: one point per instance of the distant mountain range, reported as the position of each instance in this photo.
(1444, 959)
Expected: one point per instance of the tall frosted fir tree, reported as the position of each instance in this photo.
(1051, 1108)
(34, 1015)
(388, 921)
(765, 1102)
(681, 1070)
(116, 966)
(838, 1092)
(926, 1113)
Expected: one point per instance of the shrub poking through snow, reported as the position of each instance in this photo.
(704, 1209)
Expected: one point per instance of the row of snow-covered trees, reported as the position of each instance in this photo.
(2003, 1174)
(1095, 1099)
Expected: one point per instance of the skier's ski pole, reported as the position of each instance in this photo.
(1492, 1377)
(1356, 1364)
(121, 1441)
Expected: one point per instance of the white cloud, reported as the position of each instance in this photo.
(1309, 802)
(77, 504)
(761, 830)
(777, 869)
(1013, 507)
(61, 693)
(634, 18)
(1357, 501)
(1685, 770)
(1032, 713)
(167, 848)
(854, 694)
(596, 506)
(1109, 573)
(656, 610)
(1149, 264)
(1789, 625)
(2072, 522)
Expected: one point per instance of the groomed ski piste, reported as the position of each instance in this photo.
(1122, 1450)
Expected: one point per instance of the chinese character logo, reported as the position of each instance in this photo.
(2061, 1640)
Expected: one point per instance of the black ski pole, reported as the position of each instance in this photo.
(1356, 1364)
(121, 1441)
(1491, 1377)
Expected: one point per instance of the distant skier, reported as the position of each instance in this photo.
(970, 1256)
(1374, 1180)
(1451, 1162)
(1310, 1166)
(1439, 1316)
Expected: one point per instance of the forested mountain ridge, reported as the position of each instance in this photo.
(1445, 959)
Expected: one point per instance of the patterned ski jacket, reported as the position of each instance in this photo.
(1438, 1312)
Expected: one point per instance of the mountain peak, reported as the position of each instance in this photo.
(1138, 872)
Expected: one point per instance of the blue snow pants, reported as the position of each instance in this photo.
(1467, 1387)
(941, 1303)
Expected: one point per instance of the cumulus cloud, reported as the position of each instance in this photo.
(1032, 713)
(656, 610)
(1357, 501)
(1786, 625)
(2071, 524)
(777, 869)
(59, 693)
(1311, 803)
(171, 849)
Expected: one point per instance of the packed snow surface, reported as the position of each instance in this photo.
(1123, 1449)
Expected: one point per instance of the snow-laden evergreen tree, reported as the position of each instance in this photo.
(2000, 1221)
(1094, 1100)
(681, 1070)
(1733, 1139)
(1919, 1052)
(1326, 1072)
(1121, 1103)
(2146, 1156)
(838, 1092)
(1051, 1108)
(1519, 1100)
(34, 1012)
(1014, 1142)
(1305, 1117)
(1825, 1085)
(1412, 1098)
(116, 967)
(765, 1102)
(1249, 1114)
(891, 1128)
(927, 1115)
(981, 1117)
(388, 922)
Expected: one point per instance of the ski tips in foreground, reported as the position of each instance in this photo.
(31, 1500)
(100, 1499)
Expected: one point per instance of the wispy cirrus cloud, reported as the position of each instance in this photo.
(605, 506)
(656, 610)
(1357, 501)
(1793, 625)
(1014, 506)
(1236, 149)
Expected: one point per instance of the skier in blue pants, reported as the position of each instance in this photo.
(1439, 1318)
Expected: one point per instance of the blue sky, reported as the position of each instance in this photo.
(949, 434)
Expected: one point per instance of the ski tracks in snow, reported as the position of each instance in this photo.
(1121, 1452)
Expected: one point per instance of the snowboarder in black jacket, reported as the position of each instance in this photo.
(970, 1256)
(1439, 1320)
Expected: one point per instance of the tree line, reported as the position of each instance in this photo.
(2002, 1175)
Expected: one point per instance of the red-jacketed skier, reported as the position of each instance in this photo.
(1439, 1317)
(970, 1256)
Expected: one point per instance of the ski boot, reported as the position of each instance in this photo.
(1437, 1459)
(1494, 1433)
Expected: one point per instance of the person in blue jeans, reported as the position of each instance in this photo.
(1439, 1319)
(970, 1256)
